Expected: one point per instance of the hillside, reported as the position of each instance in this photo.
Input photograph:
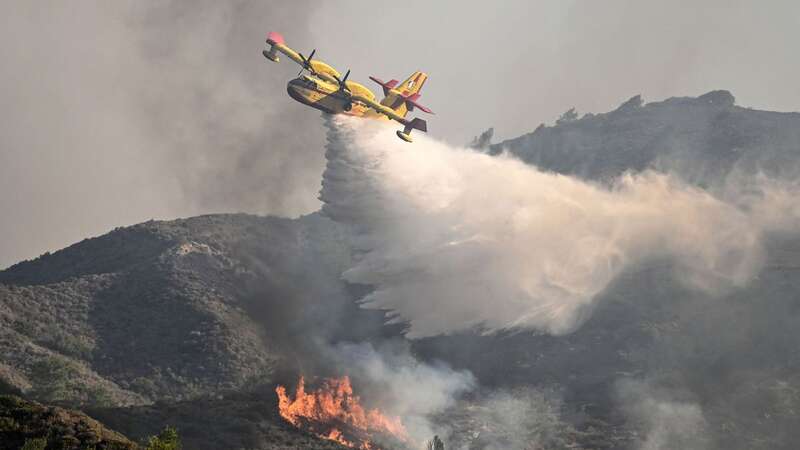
(23, 421)
(191, 322)
(167, 310)
(170, 311)
(246, 420)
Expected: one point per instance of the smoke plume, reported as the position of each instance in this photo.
(407, 388)
(121, 112)
(514, 419)
(452, 239)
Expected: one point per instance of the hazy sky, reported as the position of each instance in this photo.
(118, 112)
(517, 64)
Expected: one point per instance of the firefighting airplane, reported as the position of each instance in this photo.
(325, 89)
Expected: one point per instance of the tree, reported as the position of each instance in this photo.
(168, 439)
(483, 141)
(569, 116)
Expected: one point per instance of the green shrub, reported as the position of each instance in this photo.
(51, 376)
(8, 424)
(35, 444)
(99, 396)
(168, 439)
(68, 344)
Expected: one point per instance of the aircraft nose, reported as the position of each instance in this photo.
(293, 89)
(293, 85)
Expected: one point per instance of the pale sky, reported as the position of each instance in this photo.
(515, 64)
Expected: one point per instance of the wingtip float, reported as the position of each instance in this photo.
(324, 88)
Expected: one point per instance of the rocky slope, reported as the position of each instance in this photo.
(702, 139)
(244, 420)
(167, 310)
(179, 312)
(23, 421)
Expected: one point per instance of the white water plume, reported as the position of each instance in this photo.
(453, 239)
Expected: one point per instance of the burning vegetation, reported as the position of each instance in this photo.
(333, 412)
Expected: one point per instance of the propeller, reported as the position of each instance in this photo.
(343, 82)
(345, 90)
(306, 62)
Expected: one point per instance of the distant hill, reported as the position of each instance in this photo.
(702, 139)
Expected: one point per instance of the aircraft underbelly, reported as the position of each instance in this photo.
(323, 101)
(309, 97)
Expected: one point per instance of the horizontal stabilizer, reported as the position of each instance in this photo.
(416, 124)
(387, 86)
(411, 103)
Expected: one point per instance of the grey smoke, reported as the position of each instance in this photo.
(513, 419)
(667, 421)
(405, 387)
(219, 110)
(116, 113)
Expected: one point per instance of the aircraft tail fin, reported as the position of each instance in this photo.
(413, 84)
(403, 97)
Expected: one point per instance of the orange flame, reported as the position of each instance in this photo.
(332, 404)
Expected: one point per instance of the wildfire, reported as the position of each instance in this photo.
(333, 408)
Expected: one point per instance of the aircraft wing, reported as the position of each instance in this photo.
(318, 68)
(408, 125)
(386, 111)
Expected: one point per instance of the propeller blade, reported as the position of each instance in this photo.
(343, 82)
(344, 89)
(304, 63)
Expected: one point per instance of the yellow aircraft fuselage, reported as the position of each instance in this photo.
(324, 96)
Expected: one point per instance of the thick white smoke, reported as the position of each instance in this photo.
(453, 239)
